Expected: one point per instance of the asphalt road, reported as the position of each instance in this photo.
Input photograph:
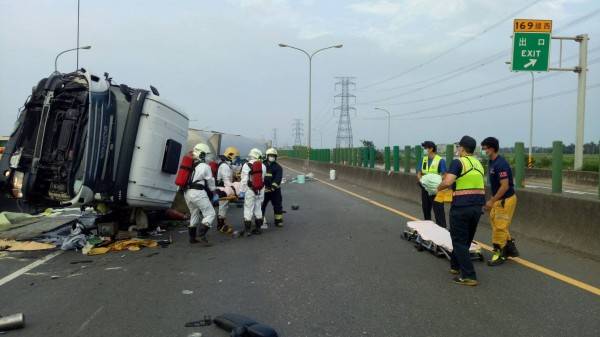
(338, 268)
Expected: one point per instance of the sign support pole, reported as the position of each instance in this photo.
(530, 158)
(582, 79)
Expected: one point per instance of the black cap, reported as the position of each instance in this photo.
(428, 144)
(468, 143)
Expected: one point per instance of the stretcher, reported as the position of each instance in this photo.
(427, 235)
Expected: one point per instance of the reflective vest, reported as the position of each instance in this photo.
(435, 163)
(471, 177)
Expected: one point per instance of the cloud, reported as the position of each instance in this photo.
(381, 7)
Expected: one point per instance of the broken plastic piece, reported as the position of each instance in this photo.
(203, 322)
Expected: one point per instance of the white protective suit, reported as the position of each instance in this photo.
(224, 174)
(197, 200)
(252, 201)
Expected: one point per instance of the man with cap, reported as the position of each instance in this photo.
(502, 204)
(466, 176)
(432, 164)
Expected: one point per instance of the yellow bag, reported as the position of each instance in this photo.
(444, 196)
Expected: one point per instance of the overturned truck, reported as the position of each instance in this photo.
(82, 140)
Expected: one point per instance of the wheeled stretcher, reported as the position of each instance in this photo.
(428, 236)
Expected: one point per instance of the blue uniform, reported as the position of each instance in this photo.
(500, 169)
(464, 200)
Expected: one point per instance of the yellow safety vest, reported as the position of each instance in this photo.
(433, 168)
(471, 177)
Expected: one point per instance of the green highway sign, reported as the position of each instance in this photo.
(531, 51)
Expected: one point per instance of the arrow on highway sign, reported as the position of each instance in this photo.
(531, 63)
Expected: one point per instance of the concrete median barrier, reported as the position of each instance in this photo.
(567, 221)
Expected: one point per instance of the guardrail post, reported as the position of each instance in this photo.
(557, 166)
(407, 156)
(396, 158)
(449, 155)
(386, 158)
(372, 157)
(418, 155)
(519, 164)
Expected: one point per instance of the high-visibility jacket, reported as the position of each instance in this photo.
(471, 177)
(433, 168)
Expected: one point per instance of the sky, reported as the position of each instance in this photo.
(437, 66)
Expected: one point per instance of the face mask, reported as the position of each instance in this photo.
(271, 159)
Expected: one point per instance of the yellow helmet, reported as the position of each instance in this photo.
(271, 152)
(200, 151)
(231, 152)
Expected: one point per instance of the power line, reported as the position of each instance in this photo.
(491, 58)
(494, 107)
(489, 93)
(475, 87)
(451, 49)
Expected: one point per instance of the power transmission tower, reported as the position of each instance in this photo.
(344, 133)
(298, 131)
(274, 141)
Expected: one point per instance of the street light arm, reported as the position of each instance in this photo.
(302, 50)
(66, 51)
(320, 50)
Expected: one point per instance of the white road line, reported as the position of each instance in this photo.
(87, 321)
(29, 267)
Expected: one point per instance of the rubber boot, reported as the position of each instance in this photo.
(499, 256)
(257, 223)
(202, 235)
(192, 233)
(278, 221)
(220, 224)
(247, 228)
(511, 249)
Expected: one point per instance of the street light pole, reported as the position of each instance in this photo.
(388, 124)
(310, 57)
(66, 51)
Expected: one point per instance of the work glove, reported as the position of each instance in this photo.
(215, 199)
(242, 195)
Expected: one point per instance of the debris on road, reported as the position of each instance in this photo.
(241, 326)
(187, 292)
(295, 207)
(206, 321)
(11, 322)
(18, 246)
(131, 245)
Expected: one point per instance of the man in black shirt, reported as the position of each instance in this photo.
(502, 204)
(466, 178)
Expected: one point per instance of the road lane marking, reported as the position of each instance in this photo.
(523, 262)
(29, 267)
(87, 321)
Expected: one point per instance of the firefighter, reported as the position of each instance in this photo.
(199, 195)
(225, 178)
(252, 191)
(273, 187)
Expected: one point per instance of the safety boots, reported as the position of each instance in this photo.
(257, 223)
(247, 228)
(511, 249)
(192, 233)
(498, 257)
(220, 224)
(202, 235)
